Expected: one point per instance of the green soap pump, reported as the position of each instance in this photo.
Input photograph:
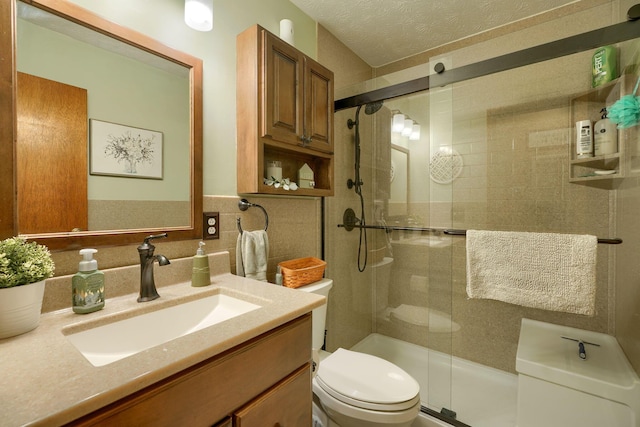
(200, 275)
(88, 285)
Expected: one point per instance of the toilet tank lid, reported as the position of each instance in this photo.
(367, 378)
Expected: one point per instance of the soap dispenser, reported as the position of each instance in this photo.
(200, 275)
(88, 285)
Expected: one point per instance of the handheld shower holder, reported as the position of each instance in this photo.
(352, 183)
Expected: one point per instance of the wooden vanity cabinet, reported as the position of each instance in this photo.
(284, 112)
(263, 382)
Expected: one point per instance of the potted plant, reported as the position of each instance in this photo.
(24, 266)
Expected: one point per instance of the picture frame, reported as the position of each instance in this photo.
(125, 151)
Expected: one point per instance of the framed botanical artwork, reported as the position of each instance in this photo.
(120, 150)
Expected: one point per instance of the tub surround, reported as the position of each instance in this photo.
(48, 382)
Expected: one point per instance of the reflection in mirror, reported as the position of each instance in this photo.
(399, 195)
(121, 86)
(149, 98)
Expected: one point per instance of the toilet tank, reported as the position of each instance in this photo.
(319, 314)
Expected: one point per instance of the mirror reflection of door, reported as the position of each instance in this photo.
(399, 197)
(51, 156)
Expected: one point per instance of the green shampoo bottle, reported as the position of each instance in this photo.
(87, 285)
(604, 66)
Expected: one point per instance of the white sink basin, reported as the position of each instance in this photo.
(108, 343)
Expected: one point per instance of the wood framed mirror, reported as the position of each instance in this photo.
(140, 197)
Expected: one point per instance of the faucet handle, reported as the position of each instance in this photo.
(154, 236)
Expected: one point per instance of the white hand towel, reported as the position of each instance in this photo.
(252, 254)
(549, 271)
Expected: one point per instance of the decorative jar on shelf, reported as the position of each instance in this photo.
(24, 266)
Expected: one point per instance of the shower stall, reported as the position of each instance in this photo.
(489, 145)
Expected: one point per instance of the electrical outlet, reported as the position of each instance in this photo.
(211, 225)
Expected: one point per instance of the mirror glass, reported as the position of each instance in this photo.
(399, 176)
(108, 128)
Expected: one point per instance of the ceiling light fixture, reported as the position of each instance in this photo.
(198, 14)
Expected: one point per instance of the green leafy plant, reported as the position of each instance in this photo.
(22, 262)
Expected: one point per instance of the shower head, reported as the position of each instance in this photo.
(373, 107)
(369, 109)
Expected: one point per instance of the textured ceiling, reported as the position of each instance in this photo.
(383, 31)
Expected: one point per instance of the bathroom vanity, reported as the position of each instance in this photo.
(233, 373)
(265, 381)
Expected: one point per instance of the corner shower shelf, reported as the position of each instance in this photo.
(588, 106)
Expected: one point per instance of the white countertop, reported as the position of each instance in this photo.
(47, 381)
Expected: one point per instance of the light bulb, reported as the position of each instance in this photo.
(198, 14)
(398, 123)
(408, 127)
(415, 132)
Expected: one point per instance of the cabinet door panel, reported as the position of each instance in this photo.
(286, 405)
(282, 118)
(319, 106)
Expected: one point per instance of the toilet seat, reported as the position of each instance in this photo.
(367, 382)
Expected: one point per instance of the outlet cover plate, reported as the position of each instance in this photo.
(211, 225)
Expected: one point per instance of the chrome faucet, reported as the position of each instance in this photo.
(148, 290)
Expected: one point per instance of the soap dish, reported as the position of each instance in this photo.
(605, 172)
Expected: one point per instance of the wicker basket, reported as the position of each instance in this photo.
(301, 271)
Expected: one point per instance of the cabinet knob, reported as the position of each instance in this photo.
(306, 140)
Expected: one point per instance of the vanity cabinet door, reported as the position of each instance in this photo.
(282, 102)
(286, 404)
(298, 97)
(318, 106)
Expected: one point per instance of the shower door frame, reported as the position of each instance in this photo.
(612, 34)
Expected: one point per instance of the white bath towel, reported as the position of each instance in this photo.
(541, 270)
(252, 254)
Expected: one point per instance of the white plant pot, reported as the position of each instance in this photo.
(20, 308)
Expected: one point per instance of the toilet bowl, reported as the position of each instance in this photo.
(356, 389)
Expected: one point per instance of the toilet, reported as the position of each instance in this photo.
(356, 389)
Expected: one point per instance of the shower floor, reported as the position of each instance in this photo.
(481, 396)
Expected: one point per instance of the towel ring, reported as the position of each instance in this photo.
(243, 205)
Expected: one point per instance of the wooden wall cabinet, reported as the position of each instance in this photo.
(263, 382)
(284, 113)
(626, 161)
